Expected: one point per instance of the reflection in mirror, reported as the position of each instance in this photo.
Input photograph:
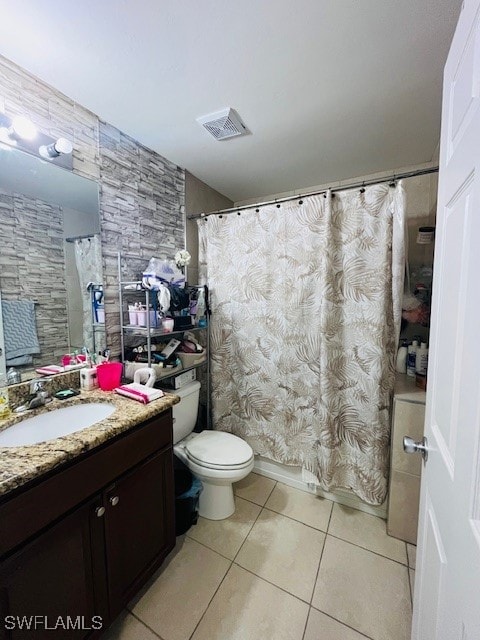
(50, 263)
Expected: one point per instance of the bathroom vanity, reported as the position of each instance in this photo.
(80, 539)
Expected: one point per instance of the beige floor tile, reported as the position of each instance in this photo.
(412, 555)
(364, 590)
(255, 488)
(227, 536)
(129, 628)
(248, 608)
(411, 573)
(300, 505)
(284, 552)
(367, 531)
(175, 601)
(321, 627)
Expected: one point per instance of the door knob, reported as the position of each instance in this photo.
(114, 500)
(410, 446)
(99, 511)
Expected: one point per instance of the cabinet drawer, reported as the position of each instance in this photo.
(37, 506)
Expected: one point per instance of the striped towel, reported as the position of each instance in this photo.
(139, 392)
(20, 331)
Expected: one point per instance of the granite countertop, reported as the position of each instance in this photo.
(20, 465)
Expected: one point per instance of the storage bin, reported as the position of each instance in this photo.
(187, 492)
(132, 315)
(191, 359)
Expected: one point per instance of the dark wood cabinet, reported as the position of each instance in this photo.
(133, 550)
(110, 525)
(51, 577)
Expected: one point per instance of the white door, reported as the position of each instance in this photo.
(447, 588)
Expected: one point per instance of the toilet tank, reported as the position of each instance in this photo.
(186, 411)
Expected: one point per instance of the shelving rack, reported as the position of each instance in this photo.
(136, 290)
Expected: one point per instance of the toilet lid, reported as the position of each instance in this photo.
(219, 449)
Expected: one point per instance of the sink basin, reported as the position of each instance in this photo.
(53, 424)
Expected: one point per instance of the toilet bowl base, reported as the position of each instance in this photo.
(216, 501)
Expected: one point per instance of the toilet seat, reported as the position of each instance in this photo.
(219, 450)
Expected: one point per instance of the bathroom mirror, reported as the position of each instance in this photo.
(50, 263)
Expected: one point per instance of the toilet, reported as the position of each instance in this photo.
(216, 458)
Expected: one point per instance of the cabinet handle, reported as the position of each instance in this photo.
(99, 511)
(114, 500)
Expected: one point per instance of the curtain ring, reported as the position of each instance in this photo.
(362, 190)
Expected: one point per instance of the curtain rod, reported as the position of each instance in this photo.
(298, 196)
(85, 237)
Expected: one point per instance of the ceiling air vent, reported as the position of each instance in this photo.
(223, 124)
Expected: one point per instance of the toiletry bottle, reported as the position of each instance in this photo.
(412, 358)
(422, 359)
(88, 378)
(401, 364)
(4, 406)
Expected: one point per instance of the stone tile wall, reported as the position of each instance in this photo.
(142, 195)
(32, 267)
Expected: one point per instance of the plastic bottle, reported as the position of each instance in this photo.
(412, 358)
(4, 406)
(422, 359)
(401, 363)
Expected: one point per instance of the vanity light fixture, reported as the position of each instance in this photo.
(6, 141)
(22, 128)
(49, 151)
(18, 132)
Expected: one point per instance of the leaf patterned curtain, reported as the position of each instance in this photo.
(306, 303)
(88, 260)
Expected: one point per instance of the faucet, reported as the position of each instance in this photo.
(40, 396)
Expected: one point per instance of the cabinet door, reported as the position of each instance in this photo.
(139, 526)
(50, 582)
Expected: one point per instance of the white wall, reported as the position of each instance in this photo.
(199, 198)
(354, 179)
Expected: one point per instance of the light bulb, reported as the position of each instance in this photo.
(62, 145)
(49, 151)
(23, 128)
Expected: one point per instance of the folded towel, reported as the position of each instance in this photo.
(20, 331)
(139, 392)
(49, 370)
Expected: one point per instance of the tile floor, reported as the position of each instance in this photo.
(286, 566)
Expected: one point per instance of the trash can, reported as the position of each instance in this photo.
(187, 492)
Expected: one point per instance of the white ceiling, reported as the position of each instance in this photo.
(330, 89)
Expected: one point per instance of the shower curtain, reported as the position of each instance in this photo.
(88, 260)
(306, 303)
